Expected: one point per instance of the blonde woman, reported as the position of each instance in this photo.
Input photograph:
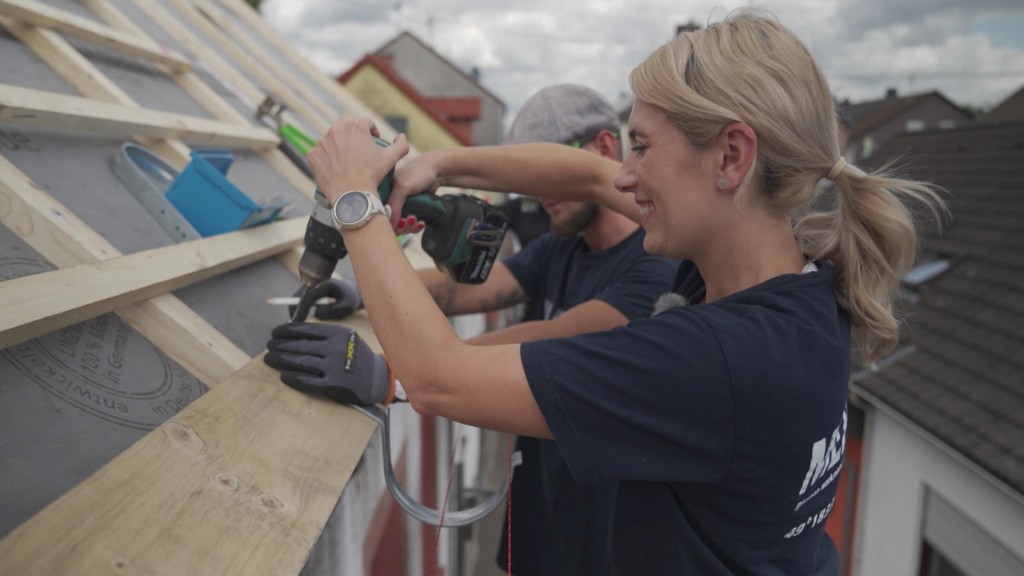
(722, 420)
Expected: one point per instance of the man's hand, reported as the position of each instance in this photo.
(331, 360)
(346, 300)
(415, 176)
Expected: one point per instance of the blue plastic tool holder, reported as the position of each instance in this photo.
(212, 204)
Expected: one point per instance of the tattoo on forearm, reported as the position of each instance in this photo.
(442, 292)
(503, 299)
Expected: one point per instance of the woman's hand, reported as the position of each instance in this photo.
(348, 158)
(414, 176)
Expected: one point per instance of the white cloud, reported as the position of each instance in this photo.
(520, 46)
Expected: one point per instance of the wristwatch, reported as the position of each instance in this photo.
(355, 208)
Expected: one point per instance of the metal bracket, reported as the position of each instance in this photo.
(452, 519)
(269, 113)
(271, 108)
(148, 176)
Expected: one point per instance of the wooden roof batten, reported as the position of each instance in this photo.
(242, 480)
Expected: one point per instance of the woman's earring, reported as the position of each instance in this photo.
(722, 184)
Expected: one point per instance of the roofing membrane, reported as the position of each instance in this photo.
(77, 81)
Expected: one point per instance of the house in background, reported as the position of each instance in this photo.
(935, 453)
(430, 123)
(435, 77)
(1009, 110)
(869, 125)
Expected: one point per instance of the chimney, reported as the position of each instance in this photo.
(890, 93)
(688, 27)
(474, 73)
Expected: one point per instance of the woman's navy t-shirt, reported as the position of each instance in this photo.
(724, 424)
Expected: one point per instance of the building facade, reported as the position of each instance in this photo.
(434, 76)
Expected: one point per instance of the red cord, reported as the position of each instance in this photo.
(508, 516)
(447, 492)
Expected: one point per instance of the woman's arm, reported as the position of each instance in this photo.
(484, 386)
(481, 386)
(542, 170)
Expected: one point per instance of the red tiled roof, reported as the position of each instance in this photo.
(461, 108)
(456, 128)
(426, 47)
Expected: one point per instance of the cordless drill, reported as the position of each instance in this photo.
(463, 235)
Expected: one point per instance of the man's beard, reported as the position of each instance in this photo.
(577, 221)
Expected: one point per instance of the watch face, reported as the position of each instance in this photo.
(352, 207)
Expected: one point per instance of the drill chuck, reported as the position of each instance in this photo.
(323, 243)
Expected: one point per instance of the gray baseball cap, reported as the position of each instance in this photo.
(562, 114)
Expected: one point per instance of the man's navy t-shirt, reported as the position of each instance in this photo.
(529, 221)
(723, 423)
(562, 272)
(560, 528)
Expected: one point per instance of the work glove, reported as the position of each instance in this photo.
(346, 300)
(331, 360)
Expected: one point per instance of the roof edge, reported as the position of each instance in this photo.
(447, 62)
(886, 111)
(377, 63)
(858, 392)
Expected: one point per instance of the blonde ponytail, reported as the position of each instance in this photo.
(870, 238)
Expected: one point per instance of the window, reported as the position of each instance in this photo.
(947, 124)
(933, 563)
(925, 271)
(915, 125)
(954, 545)
(399, 123)
(867, 147)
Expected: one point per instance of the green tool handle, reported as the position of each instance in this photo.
(297, 138)
(426, 207)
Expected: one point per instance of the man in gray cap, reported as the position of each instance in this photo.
(562, 114)
(574, 115)
(590, 273)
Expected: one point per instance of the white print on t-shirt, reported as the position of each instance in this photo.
(812, 521)
(825, 457)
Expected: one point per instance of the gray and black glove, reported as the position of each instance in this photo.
(346, 300)
(331, 360)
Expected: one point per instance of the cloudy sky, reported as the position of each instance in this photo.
(970, 50)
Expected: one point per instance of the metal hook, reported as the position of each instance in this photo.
(418, 511)
(486, 235)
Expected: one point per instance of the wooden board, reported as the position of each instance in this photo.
(39, 14)
(41, 109)
(239, 482)
(45, 302)
(57, 234)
